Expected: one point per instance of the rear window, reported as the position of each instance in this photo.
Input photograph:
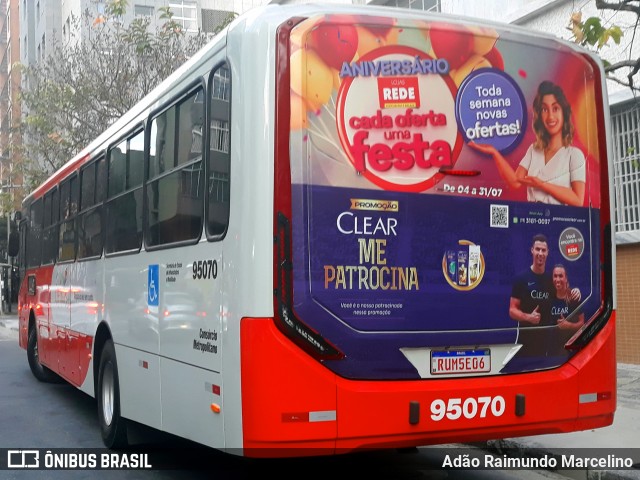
(426, 159)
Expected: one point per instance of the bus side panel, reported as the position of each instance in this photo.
(197, 415)
(86, 301)
(139, 375)
(288, 399)
(135, 335)
(39, 305)
(598, 376)
(282, 385)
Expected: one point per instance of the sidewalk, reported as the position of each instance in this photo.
(10, 320)
(622, 438)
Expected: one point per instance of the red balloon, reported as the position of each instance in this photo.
(334, 44)
(495, 58)
(453, 45)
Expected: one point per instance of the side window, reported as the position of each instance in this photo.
(175, 183)
(219, 152)
(34, 235)
(22, 256)
(88, 186)
(124, 195)
(69, 193)
(50, 230)
(90, 218)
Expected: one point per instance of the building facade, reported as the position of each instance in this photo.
(10, 78)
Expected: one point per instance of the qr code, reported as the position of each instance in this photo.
(500, 216)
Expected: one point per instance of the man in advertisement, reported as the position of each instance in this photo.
(531, 301)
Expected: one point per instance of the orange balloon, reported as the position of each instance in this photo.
(311, 78)
(584, 118)
(298, 112)
(368, 41)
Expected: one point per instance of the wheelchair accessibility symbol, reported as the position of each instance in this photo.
(153, 285)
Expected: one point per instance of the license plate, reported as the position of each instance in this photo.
(460, 361)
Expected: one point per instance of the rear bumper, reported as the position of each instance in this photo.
(293, 405)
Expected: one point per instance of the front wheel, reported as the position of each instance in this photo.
(39, 371)
(112, 425)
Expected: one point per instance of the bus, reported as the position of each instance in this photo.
(337, 228)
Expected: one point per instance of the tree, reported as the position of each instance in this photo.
(593, 33)
(90, 80)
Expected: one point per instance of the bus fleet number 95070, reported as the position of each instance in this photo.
(456, 408)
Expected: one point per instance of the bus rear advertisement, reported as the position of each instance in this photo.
(338, 228)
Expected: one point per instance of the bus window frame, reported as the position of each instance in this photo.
(38, 202)
(23, 231)
(97, 203)
(139, 127)
(207, 153)
(62, 219)
(181, 96)
(54, 223)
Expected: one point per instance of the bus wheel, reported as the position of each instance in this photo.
(39, 371)
(112, 425)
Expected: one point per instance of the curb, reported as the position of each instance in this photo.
(3, 324)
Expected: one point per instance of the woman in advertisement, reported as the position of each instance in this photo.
(552, 169)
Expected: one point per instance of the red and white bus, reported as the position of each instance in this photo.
(338, 228)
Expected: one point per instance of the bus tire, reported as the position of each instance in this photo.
(112, 425)
(39, 371)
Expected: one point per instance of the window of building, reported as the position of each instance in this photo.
(219, 152)
(143, 11)
(213, 19)
(175, 186)
(124, 193)
(427, 5)
(625, 122)
(185, 14)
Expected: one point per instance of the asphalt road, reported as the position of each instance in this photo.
(43, 416)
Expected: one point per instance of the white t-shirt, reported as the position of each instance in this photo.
(566, 166)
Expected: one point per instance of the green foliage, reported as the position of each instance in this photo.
(170, 26)
(116, 8)
(592, 33)
(598, 36)
(88, 82)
